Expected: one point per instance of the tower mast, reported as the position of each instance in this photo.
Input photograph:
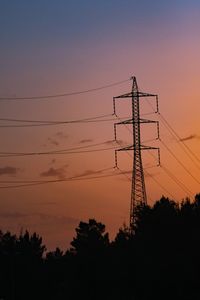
(138, 189)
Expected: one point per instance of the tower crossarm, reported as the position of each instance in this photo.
(131, 121)
(133, 94)
(140, 121)
(142, 147)
(140, 94)
(136, 94)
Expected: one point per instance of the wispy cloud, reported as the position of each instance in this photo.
(115, 142)
(87, 173)
(61, 135)
(128, 175)
(110, 142)
(85, 141)
(53, 172)
(190, 137)
(53, 141)
(8, 170)
(57, 138)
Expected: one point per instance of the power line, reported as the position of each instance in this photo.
(35, 183)
(158, 183)
(124, 173)
(180, 142)
(49, 122)
(84, 175)
(173, 177)
(39, 123)
(129, 130)
(55, 153)
(54, 123)
(64, 151)
(40, 97)
(152, 177)
(28, 183)
(180, 163)
(178, 138)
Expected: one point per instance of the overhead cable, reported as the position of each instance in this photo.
(56, 153)
(158, 183)
(173, 177)
(152, 177)
(35, 183)
(180, 163)
(43, 97)
(63, 151)
(181, 143)
(178, 182)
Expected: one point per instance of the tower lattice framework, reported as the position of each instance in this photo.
(138, 189)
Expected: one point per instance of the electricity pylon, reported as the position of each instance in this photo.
(138, 190)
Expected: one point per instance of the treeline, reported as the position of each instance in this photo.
(161, 260)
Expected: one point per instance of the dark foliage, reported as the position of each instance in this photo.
(161, 260)
(21, 266)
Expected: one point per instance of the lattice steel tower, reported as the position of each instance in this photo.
(138, 190)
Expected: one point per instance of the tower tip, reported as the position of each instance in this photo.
(132, 77)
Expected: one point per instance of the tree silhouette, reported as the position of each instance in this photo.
(7, 264)
(21, 265)
(123, 237)
(90, 238)
(89, 256)
(30, 245)
(159, 260)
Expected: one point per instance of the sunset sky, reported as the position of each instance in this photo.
(64, 46)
